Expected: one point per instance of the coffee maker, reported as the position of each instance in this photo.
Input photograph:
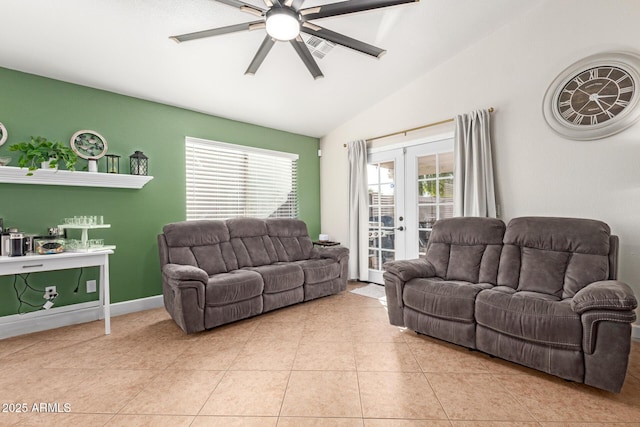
(17, 244)
(13, 243)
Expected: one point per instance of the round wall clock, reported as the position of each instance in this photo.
(3, 134)
(596, 97)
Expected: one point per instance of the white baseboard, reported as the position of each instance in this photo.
(134, 305)
(635, 331)
(42, 320)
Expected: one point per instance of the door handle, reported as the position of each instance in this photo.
(401, 228)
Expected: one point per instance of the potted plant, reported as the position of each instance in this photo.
(41, 150)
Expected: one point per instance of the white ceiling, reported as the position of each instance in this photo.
(123, 46)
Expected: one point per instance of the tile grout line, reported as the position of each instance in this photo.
(355, 362)
(424, 374)
(514, 397)
(224, 375)
(286, 387)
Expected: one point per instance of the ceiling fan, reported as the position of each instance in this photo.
(284, 20)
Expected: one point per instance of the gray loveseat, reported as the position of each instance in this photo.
(217, 272)
(541, 292)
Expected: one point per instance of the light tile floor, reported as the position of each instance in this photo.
(331, 362)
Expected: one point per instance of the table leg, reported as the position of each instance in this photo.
(105, 294)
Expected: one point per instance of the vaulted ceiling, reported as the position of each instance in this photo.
(123, 46)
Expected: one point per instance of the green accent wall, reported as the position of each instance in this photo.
(38, 106)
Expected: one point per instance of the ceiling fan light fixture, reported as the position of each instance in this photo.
(283, 23)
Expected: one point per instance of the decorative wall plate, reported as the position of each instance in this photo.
(595, 97)
(3, 134)
(88, 144)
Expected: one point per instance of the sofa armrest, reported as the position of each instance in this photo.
(396, 274)
(183, 290)
(180, 273)
(336, 253)
(409, 269)
(604, 295)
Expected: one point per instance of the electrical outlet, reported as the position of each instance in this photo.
(50, 292)
(91, 286)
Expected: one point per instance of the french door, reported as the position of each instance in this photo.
(385, 173)
(409, 189)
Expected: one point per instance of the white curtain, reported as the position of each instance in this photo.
(358, 211)
(473, 190)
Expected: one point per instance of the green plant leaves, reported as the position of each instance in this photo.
(39, 150)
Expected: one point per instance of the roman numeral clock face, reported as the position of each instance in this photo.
(596, 95)
(594, 98)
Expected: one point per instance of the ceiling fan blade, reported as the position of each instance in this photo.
(245, 7)
(341, 39)
(215, 31)
(264, 49)
(304, 54)
(344, 7)
(297, 4)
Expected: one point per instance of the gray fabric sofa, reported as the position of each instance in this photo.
(541, 292)
(217, 272)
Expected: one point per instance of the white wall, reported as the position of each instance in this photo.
(537, 171)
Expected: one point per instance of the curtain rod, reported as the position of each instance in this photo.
(441, 122)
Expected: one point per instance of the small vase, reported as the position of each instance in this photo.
(47, 165)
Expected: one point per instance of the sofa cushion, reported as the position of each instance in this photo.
(238, 285)
(210, 259)
(319, 270)
(280, 277)
(464, 262)
(531, 316)
(556, 256)
(542, 271)
(290, 238)
(251, 243)
(196, 233)
(442, 298)
(203, 244)
(578, 235)
(466, 249)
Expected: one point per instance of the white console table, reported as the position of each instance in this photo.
(66, 260)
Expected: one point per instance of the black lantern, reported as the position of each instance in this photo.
(139, 163)
(113, 163)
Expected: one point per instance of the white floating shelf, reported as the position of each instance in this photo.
(16, 175)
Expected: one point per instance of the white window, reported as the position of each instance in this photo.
(227, 180)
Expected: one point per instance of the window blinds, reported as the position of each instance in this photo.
(227, 180)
